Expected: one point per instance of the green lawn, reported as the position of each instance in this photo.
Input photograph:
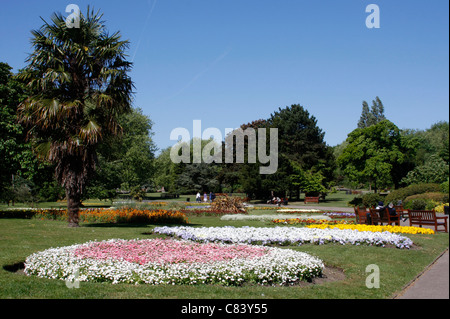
(19, 238)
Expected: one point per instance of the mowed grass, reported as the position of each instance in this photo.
(20, 238)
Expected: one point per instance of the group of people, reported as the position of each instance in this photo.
(198, 197)
(382, 210)
(275, 200)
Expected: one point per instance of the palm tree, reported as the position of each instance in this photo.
(79, 84)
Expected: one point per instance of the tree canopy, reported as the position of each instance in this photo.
(373, 154)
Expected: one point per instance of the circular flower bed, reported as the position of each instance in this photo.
(168, 261)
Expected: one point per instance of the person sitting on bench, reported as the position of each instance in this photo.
(392, 210)
(381, 209)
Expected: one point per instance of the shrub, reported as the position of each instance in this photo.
(437, 197)
(25, 213)
(356, 202)
(445, 187)
(402, 193)
(137, 193)
(371, 199)
(225, 203)
(440, 208)
(50, 192)
(420, 204)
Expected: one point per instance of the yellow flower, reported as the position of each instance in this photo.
(440, 208)
(376, 228)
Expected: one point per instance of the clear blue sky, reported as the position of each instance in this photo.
(229, 62)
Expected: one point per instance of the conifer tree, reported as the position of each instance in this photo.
(371, 116)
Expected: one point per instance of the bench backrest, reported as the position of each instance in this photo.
(362, 213)
(399, 208)
(426, 215)
(374, 213)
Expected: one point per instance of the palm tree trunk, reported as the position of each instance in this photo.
(73, 206)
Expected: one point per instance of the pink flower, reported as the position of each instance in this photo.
(163, 251)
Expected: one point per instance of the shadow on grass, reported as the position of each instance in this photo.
(17, 267)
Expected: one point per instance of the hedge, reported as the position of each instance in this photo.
(403, 193)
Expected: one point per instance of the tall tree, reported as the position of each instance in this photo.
(303, 156)
(79, 84)
(366, 116)
(127, 159)
(302, 140)
(10, 131)
(16, 155)
(373, 115)
(374, 155)
(435, 170)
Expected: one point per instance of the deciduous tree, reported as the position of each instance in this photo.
(373, 154)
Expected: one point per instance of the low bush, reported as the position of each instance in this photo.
(445, 187)
(356, 202)
(440, 208)
(228, 204)
(18, 213)
(435, 196)
(425, 201)
(420, 204)
(366, 200)
(371, 199)
(402, 193)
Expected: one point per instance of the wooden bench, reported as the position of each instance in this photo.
(401, 211)
(361, 215)
(427, 218)
(311, 200)
(377, 218)
(390, 219)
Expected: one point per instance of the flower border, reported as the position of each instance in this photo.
(285, 235)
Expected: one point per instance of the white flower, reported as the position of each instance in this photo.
(276, 266)
(284, 235)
